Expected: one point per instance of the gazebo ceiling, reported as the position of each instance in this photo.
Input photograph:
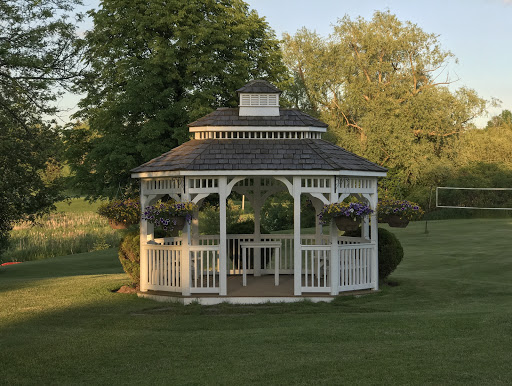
(258, 154)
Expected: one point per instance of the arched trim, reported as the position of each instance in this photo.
(287, 183)
(320, 197)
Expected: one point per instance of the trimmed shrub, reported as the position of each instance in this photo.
(245, 227)
(129, 256)
(391, 253)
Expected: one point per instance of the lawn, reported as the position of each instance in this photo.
(446, 320)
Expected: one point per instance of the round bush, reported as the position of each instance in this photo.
(244, 227)
(391, 253)
(129, 256)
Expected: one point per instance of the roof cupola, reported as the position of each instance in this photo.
(258, 98)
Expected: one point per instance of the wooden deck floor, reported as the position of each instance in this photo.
(260, 286)
(258, 290)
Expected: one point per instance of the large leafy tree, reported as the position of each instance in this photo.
(382, 86)
(492, 145)
(37, 59)
(154, 67)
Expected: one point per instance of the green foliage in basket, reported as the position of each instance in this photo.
(122, 211)
(402, 208)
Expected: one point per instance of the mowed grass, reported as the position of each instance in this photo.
(447, 320)
(74, 228)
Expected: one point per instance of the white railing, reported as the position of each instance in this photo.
(343, 240)
(268, 252)
(169, 241)
(356, 267)
(234, 259)
(204, 269)
(163, 267)
(315, 268)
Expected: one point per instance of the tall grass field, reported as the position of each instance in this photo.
(74, 228)
(445, 320)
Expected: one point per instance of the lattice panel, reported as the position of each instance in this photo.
(316, 182)
(164, 185)
(257, 135)
(355, 185)
(203, 185)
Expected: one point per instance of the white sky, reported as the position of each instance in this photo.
(478, 32)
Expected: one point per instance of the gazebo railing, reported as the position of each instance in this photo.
(163, 267)
(164, 262)
(234, 259)
(204, 269)
(316, 262)
(356, 267)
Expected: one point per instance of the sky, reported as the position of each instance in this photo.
(477, 32)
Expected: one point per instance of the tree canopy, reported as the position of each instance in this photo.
(382, 87)
(37, 59)
(153, 68)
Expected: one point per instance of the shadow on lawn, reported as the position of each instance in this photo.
(28, 274)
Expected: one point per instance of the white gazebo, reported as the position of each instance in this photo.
(257, 150)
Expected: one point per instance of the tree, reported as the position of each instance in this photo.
(492, 145)
(503, 119)
(380, 85)
(153, 68)
(37, 59)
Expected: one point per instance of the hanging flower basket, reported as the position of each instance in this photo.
(397, 221)
(121, 213)
(398, 213)
(178, 225)
(347, 223)
(169, 217)
(347, 215)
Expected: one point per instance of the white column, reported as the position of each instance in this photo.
(185, 255)
(297, 250)
(375, 237)
(318, 205)
(223, 238)
(257, 204)
(146, 234)
(195, 227)
(365, 225)
(143, 258)
(335, 249)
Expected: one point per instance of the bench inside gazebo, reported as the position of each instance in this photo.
(258, 150)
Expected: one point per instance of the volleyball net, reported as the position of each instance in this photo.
(474, 198)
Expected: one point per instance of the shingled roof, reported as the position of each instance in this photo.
(258, 154)
(259, 86)
(229, 117)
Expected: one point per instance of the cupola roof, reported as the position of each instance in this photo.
(258, 86)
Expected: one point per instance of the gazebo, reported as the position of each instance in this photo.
(257, 150)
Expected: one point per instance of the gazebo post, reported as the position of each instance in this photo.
(256, 205)
(335, 251)
(375, 238)
(146, 229)
(223, 236)
(297, 250)
(185, 251)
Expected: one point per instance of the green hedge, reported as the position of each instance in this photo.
(129, 256)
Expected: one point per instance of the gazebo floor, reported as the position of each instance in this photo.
(259, 290)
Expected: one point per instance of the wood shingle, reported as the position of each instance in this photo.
(258, 154)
